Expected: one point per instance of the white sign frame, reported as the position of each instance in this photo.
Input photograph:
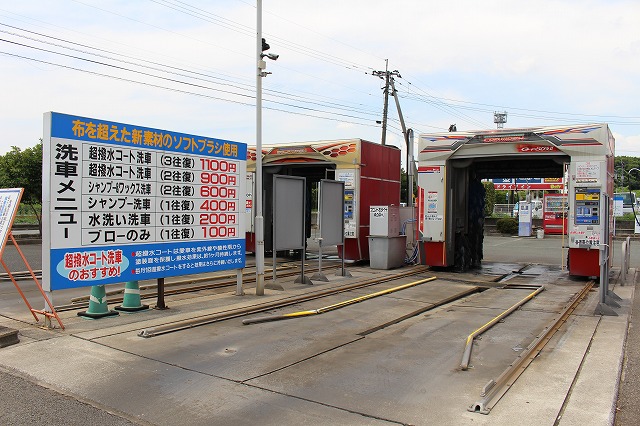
(125, 202)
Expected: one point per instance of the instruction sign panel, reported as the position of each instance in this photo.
(618, 204)
(127, 202)
(587, 172)
(9, 202)
(350, 208)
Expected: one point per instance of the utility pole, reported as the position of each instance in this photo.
(389, 83)
(408, 141)
(386, 75)
(385, 110)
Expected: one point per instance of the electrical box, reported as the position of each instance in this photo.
(384, 221)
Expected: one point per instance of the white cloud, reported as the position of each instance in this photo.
(627, 145)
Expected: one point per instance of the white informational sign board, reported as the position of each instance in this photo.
(587, 172)
(348, 176)
(249, 214)
(331, 212)
(9, 202)
(288, 212)
(618, 205)
(127, 202)
(524, 219)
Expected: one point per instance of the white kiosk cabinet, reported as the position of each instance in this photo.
(524, 220)
(387, 248)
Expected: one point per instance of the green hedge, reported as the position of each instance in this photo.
(507, 225)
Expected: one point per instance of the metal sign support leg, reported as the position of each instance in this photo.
(303, 279)
(160, 305)
(273, 285)
(319, 276)
(344, 272)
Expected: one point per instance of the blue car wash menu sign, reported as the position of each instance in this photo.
(127, 202)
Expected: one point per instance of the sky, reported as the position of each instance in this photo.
(190, 66)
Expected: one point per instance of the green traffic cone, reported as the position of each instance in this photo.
(131, 301)
(97, 304)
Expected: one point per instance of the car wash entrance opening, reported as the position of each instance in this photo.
(451, 198)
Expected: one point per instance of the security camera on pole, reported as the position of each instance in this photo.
(259, 220)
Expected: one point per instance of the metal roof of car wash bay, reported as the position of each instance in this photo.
(523, 152)
(342, 151)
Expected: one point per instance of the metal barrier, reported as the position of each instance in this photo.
(607, 298)
(625, 259)
(503, 209)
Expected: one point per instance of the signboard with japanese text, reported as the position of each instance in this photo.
(528, 183)
(587, 172)
(349, 177)
(9, 202)
(618, 204)
(249, 213)
(128, 202)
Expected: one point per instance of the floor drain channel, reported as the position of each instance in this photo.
(507, 277)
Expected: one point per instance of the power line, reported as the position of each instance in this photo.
(189, 92)
(184, 72)
(315, 32)
(333, 82)
(202, 14)
(196, 12)
(553, 115)
(575, 117)
(47, 24)
(449, 106)
(173, 80)
(443, 106)
(159, 28)
(239, 27)
(542, 111)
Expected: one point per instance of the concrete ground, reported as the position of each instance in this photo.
(333, 368)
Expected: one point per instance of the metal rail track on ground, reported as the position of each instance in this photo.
(466, 356)
(187, 281)
(209, 319)
(229, 283)
(495, 389)
(334, 306)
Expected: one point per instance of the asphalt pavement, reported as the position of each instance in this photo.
(628, 405)
(25, 403)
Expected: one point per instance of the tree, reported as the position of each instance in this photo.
(624, 179)
(23, 169)
(489, 198)
(404, 185)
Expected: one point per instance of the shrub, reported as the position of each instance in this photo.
(507, 225)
